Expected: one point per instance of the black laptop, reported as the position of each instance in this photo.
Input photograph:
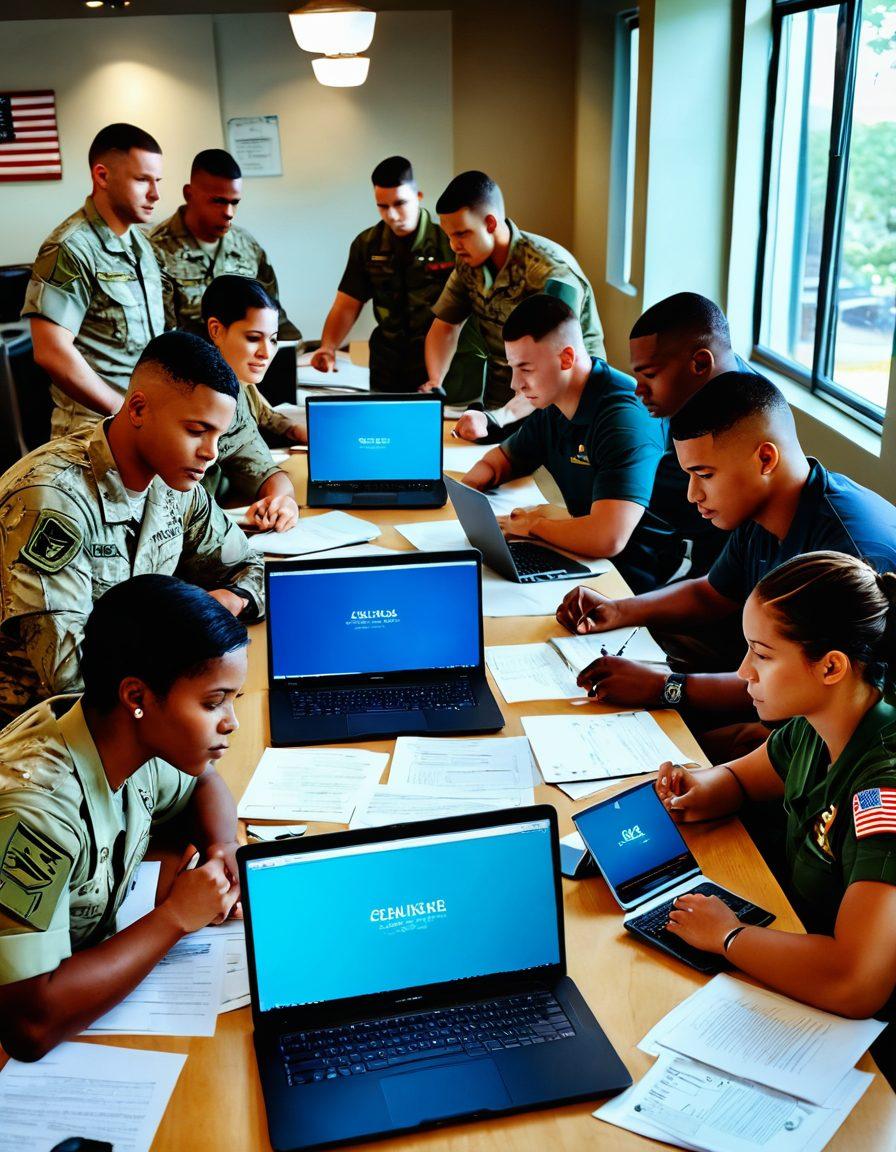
(382, 451)
(647, 866)
(415, 975)
(374, 647)
(522, 561)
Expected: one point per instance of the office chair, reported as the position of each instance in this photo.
(12, 440)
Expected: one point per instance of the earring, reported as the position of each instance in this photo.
(138, 713)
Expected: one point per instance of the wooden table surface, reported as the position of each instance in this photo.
(217, 1103)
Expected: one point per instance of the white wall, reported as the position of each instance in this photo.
(163, 79)
(331, 139)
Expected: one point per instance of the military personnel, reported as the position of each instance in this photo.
(402, 264)
(820, 631)
(95, 295)
(84, 782)
(200, 241)
(497, 266)
(87, 511)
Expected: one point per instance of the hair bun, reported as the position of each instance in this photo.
(886, 581)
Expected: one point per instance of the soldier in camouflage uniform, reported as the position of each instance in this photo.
(162, 665)
(200, 241)
(89, 510)
(95, 296)
(498, 266)
(402, 264)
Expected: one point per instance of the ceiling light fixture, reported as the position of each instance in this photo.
(340, 32)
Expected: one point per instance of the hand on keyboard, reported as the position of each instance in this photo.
(702, 921)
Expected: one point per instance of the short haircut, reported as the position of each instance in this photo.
(537, 316)
(471, 190)
(686, 314)
(215, 162)
(157, 628)
(392, 171)
(189, 361)
(229, 298)
(726, 401)
(121, 138)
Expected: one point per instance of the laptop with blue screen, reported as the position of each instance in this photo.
(415, 975)
(365, 647)
(380, 451)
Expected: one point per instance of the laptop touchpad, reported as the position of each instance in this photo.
(364, 722)
(435, 1093)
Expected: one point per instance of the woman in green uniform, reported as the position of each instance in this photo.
(241, 320)
(84, 780)
(821, 636)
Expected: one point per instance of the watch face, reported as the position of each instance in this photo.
(672, 692)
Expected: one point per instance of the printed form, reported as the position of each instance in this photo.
(310, 783)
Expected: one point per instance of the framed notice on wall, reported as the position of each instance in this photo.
(255, 144)
(29, 137)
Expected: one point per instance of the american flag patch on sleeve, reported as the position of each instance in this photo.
(874, 811)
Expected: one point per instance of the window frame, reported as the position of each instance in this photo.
(819, 381)
(623, 149)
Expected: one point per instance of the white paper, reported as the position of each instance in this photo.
(521, 493)
(230, 937)
(468, 765)
(531, 672)
(462, 457)
(93, 1090)
(295, 413)
(581, 790)
(768, 1038)
(179, 997)
(435, 535)
(400, 805)
(689, 1104)
(255, 144)
(310, 783)
(632, 643)
(315, 534)
(140, 897)
(347, 377)
(598, 747)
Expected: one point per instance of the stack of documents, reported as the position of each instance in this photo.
(315, 534)
(633, 643)
(116, 1095)
(430, 777)
(310, 783)
(741, 1067)
(348, 377)
(577, 751)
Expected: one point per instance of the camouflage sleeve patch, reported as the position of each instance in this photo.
(55, 265)
(53, 543)
(34, 870)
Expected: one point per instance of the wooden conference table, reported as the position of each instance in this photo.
(217, 1103)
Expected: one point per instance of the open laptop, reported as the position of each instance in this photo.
(415, 975)
(522, 561)
(377, 646)
(647, 866)
(382, 451)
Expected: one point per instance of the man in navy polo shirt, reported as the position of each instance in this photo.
(594, 437)
(737, 441)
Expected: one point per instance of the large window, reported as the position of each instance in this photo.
(826, 287)
(622, 157)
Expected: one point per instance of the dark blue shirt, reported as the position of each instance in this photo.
(608, 451)
(833, 514)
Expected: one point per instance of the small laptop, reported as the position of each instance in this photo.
(377, 646)
(522, 561)
(647, 866)
(382, 451)
(415, 975)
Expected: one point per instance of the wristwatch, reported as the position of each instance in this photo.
(674, 690)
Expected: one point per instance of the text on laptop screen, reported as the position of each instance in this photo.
(635, 842)
(375, 440)
(394, 618)
(399, 914)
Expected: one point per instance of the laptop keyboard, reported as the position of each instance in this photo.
(471, 1029)
(532, 560)
(342, 702)
(653, 923)
(378, 485)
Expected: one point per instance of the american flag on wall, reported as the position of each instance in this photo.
(29, 137)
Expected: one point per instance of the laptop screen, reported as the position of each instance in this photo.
(375, 440)
(370, 620)
(635, 842)
(395, 914)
